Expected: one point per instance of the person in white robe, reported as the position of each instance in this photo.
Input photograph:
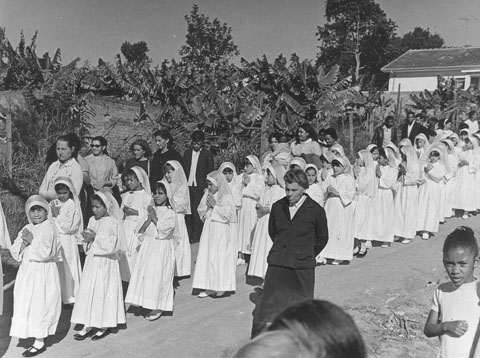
(151, 285)
(450, 178)
(262, 243)
(441, 207)
(99, 303)
(430, 193)
(315, 190)
(68, 219)
(406, 200)
(176, 179)
(37, 301)
(365, 190)
(5, 243)
(337, 150)
(381, 218)
(373, 148)
(422, 146)
(327, 170)
(468, 165)
(134, 206)
(253, 184)
(216, 261)
(297, 162)
(476, 153)
(339, 209)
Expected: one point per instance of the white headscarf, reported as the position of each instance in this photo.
(224, 194)
(337, 148)
(345, 164)
(413, 165)
(404, 141)
(68, 182)
(366, 181)
(442, 150)
(256, 163)
(37, 200)
(278, 172)
(298, 161)
(179, 186)
(236, 183)
(143, 179)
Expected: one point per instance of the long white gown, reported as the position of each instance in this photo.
(315, 191)
(5, 243)
(68, 224)
(451, 183)
(262, 243)
(247, 217)
(429, 198)
(99, 301)
(217, 255)
(137, 200)
(406, 207)
(151, 284)
(464, 200)
(339, 212)
(363, 207)
(37, 300)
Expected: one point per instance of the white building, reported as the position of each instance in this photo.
(417, 70)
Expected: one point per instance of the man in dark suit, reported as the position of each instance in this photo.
(412, 128)
(385, 133)
(299, 231)
(198, 163)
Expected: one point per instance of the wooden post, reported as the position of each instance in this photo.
(264, 137)
(398, 102)
(8, 124)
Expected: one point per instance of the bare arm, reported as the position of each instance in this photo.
(434, 328)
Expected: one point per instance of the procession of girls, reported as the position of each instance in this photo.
(387, 193)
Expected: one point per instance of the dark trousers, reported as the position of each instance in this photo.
(283, 288)
(193, 221)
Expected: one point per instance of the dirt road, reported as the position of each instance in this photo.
(388, 292)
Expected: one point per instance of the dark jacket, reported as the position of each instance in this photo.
(416, 130)
(204, 166)
(159, 160)
(378, 136)
(297, 241)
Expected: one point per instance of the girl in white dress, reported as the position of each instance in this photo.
(68, 219)
(422, 146)
(5, 243)
(373, 148)
(253, 184)
(99, 303)
(216, 260)
(315, 190)
(262, 243)
(406, 200)
(327, 170)
(134, 206)
(297, 163)
(37, 300)
(366, 187)
(339, 209)
(430, 193)
(450, 178)
(467, 166)
(151, 285)
(177, 181)
(381, 218)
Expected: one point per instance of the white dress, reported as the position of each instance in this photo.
(451, 183)
(70, 169)
(362, 209)
(262, 243)
(99, 301)
(464, 200)
(382, 219)
(315, 191)
(37, 300)
(68, 224)
(247, 216)
(137, 200)
(429, 198)
(406, 207)
(236, 189)
(339, 212)
(217, 255)
(151, 284)
(4, 244)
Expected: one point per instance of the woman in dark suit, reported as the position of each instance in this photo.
(299, 231)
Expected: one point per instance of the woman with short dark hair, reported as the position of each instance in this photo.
(306, 141)
(141, 156)
(165, 152)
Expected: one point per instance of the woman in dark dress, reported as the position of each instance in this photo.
(165, 152)
(141, 157)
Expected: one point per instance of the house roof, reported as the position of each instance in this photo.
(442, 58)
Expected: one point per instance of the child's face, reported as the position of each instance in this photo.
(63, 194)
(249, 168)
(98, 208)
(228, 174)
(460, 264)
(169, 176)
(295, 166)
(160, 197)
(468, 144)
(382, 161)
(336, 153)
(375, 154)
(270, 179)
(359, 162)
(338, 168)
(433, 157)
(326, 164)
(132, 183)
(463, 135)
(212, 188)
(455, 141)
(420, 143)
(37, 214)
(311, 176)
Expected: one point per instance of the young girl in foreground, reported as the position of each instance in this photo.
(99, 302)
(37, 301)
(262, 243)
(216, 260)
(68, 219)
(151, 285)
(455, 311)
(177, 181)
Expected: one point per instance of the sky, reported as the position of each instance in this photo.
(92, 29)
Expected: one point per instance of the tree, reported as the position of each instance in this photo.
(356, 36)
(421, 39)
(135, 53)
(207, 41)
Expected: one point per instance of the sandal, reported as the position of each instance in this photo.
(101, 333)
(32, 351)
(81, 335)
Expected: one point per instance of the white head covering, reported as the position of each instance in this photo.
(256, 163)
(143, 179)
(425, 139)
(370, 147)
(298, 161)
(179, 186)
(337, 148)
(224, 194)
(329, 156)
(392, 158)
(442, 150)
(229, 165)
(413, 165)
(68, 182)
(37, 200)
(455, 135)
(236, 184)
(345, 163)
(278, 171)
(366, 181)
(404, 141)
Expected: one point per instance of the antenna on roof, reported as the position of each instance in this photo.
(467, 21)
